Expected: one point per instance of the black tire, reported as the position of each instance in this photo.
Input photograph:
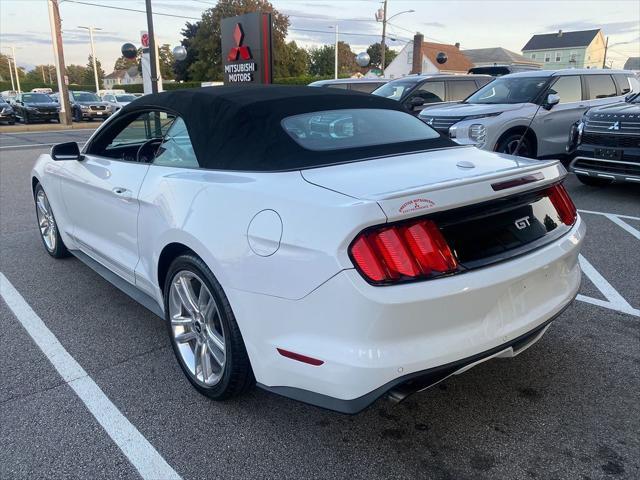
(59, 250)
(25, 119)
(12, 122)
(77, 116)
(237, 376)
(593, 181)
(509, 142)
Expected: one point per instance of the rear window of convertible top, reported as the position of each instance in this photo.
(353, 128)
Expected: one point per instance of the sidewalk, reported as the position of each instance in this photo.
(45, 127)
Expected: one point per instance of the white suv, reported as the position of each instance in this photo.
(496, 116)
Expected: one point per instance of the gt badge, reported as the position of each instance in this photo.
(522, 223)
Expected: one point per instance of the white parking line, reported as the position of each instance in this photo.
(610, 214)
(133, 444)
(6, 147)
(70, 130)
(615, 300)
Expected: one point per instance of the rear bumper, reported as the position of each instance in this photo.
(402, 387)
(403, 338)
(626, 169)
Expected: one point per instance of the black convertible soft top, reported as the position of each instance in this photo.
(239, 128)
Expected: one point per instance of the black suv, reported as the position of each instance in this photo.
(6, 112)
(31, 107)
(417, 92)
(605, 145)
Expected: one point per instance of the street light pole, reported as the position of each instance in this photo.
(15, 67)
(13, 86)
(93, 55)
(384, 34)
(335, 60)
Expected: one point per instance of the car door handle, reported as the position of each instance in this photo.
(122, 192)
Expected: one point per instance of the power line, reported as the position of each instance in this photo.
(112, 7)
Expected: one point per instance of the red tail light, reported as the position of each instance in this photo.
(563, 204)
(407, 251)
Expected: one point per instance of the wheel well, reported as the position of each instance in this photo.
(34, 184)
(168, 254)
(531, 136)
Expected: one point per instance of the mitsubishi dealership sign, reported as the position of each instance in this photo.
(246, 49)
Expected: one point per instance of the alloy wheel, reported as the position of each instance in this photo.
(197, 328)
(46, 222)
(511, 146)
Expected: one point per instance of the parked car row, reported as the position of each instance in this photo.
(42, 105)
(532, 114)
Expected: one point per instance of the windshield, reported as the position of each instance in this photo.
(355, 128)
(125, 98)
(85, 97)
(509, 90)
(394, 90)
(36, 98)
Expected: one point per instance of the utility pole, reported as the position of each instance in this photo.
(606, 46)
(152, 49)
(91, 28)
(15, 67)
(384, 35)
(56, 37)
(335, 60)
(44, 80)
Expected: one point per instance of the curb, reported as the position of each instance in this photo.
(45, 127)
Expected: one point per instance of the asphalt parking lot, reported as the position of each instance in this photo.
(565, 409)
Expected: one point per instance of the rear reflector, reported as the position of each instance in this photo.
(407, 251)
(301, 358)
(563, 204)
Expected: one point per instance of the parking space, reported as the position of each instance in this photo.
(566, 408)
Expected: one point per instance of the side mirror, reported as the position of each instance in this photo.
(416, 101)
(66, 151)
(552, 99)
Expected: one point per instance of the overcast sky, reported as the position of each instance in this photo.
(473, 23)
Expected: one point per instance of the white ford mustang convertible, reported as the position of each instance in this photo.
(325, 245)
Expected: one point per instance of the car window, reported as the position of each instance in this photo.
(85, 97)
(341, 86)
(509, 90)
(122, 139)
(35, 98)
(395, 90)
(355, 128)
(461, 89)
(623, 83)
(600, 86)
(364, 87)
(176, 150)
(569, 89)
(431, 92)
(635, 84)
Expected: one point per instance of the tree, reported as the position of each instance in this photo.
(76, 74)
(123, 63)
(322, 60)
(294, 61)
(205, 45)
(166, 61)
(88, 77)
(375, 53)
(4, 68)
(35, 75)
(181, 68)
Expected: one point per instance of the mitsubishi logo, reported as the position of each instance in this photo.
(430, 121)
(615, 127)
(239, 50)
